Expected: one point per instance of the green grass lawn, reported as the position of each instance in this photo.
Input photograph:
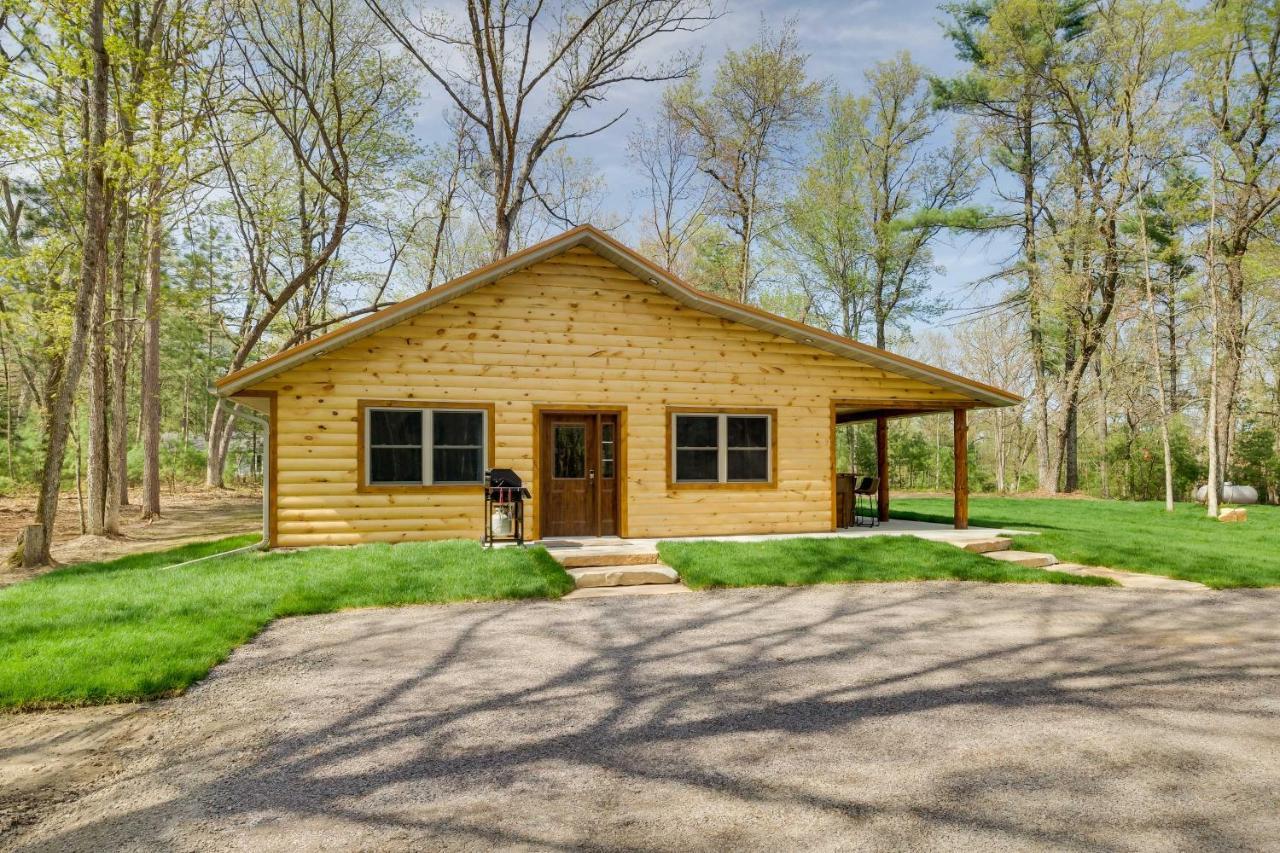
(1140, 537)
(794, 562)
(134, 629)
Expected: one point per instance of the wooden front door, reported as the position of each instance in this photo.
(578, 467)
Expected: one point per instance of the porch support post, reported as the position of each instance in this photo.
(882, 467)
(960, 422)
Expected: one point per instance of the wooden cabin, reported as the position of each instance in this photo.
(630, 403)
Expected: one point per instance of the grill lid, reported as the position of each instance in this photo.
(503, 478)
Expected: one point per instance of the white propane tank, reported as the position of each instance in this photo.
(1231, 494)
(500, 521)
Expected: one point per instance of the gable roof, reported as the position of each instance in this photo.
(644, 269)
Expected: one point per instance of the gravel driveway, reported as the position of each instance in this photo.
(863, 716)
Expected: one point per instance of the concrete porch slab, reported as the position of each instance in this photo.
(893, 527)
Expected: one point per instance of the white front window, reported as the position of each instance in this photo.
(409, 447)
(721, 448)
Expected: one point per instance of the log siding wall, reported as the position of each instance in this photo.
(571, 331)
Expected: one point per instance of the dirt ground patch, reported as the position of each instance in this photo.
(185, 517)
(48, 758)
(861, 716)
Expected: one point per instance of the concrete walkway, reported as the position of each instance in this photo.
(893, 527)
(976, 539)
(1133, 580)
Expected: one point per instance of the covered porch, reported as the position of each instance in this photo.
(880, 412)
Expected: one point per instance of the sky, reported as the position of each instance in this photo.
(842, 40)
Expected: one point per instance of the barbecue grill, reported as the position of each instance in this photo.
(504, 497)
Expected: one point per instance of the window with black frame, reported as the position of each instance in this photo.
(410, 446)
(717, 448)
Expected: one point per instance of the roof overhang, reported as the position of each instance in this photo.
(645, 270)
(250, 400)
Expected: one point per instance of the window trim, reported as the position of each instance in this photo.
(771, 416)
(363, 450)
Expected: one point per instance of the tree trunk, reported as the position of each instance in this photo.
(75, 436)
(59, 421)
(97, 403)
(1158, 373)
(8, 408)
(879, 306)
(1215, 308)
(1230, 363)
(1071, 452)
(149, 387)
(1071, 432)
(1211, 432)
(1001, 453)
(1070, 390)
(937, 456)
(748, 235)
(118, 441)
(1046, 475)
(503, 225)
(32, 543)
(1104, 472)
(220, 432)
(1171, 334)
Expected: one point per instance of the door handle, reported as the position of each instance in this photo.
(591, 473)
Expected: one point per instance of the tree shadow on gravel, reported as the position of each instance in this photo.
(888, 716)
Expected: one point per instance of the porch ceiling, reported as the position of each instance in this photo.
(869, 410)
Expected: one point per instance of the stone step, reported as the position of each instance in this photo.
(627, 591)
(986, 546)
(1030, 559)
(584, 558)
(623, 575)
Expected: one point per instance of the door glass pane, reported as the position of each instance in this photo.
(697, 466)
(395, 465)
(747, 431)
(606, 450)
(395, 426)
(697, 430)
(570, 452)
(748, 465)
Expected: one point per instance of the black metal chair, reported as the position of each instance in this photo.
(867, 494)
